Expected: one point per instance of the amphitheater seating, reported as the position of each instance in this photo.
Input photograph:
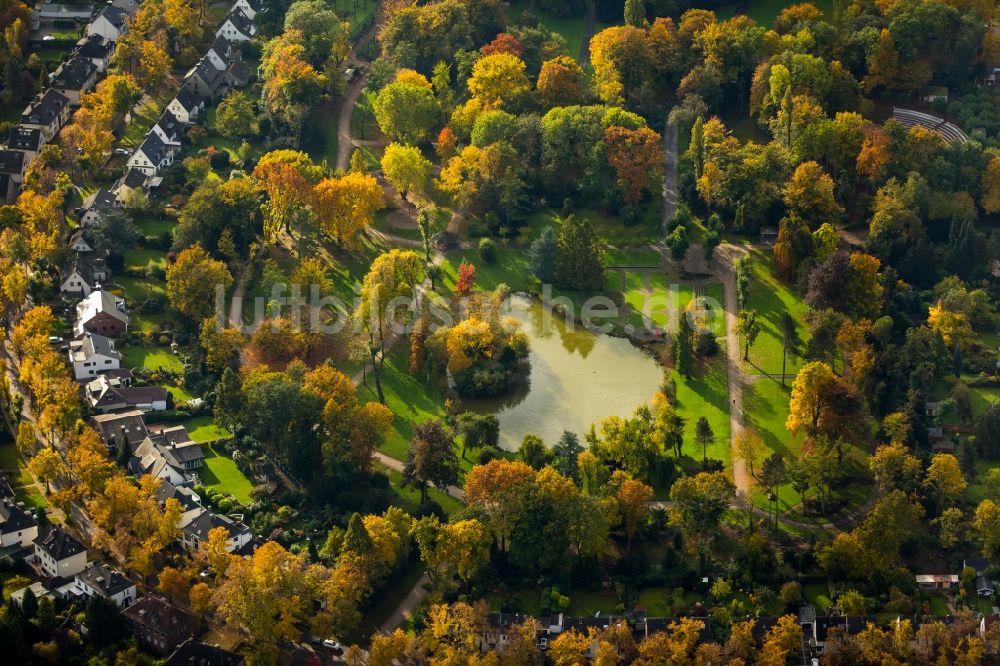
(948, 131)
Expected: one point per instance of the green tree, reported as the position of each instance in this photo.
(533, 451)
(791, 343)
(235, 117)
(431, 458)
(684, 345)
(542, 255)
(748, 328)
(635, 13)
(773, 474)
(356, 541)
(579, 256)
(478, 431)
(698, 504)
(704, 435)
(565, 454)
(407, 112)
(405, 168)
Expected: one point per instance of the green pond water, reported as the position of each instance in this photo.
(577, 378)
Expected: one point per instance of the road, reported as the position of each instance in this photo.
(406, 607)
(344, 141)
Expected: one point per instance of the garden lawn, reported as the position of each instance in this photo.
(145, 258)
(648, 229)
(572, 28)
(358, 12)
(148, 323)
(939, 606)
(323, 119)
(152, 358)
(20, 479)
(153, 226)
(221, 473)
(637, 257)
(818, 595)
(770, 298)
(975, 492)
(510, 268)
(706, 393)
(137, 290)
(204, 429)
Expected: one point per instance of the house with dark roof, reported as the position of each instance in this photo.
(168, 128)
(105, 394)
(985, 585)
(187, 498)
(58, 554)
(93, 355)
(109, 23)
(206, 80)
(169, 455)
(97, 204)
(100, 580)
(197, 523)
(17, 526)
(131, 181)
(48, 112)
(122, 427)
(130, 6)
(249, 7)
(101, 312)
(83, 273)
(237, 27)
(26, 139)
(12, 167)
(97, 49)
(191, 653)
(80, 241)
(187, 106)
(159, 624)
(152, 155)
(73, 78)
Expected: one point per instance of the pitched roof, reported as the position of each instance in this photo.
(222, 47)
(133, 178)
(12, 162)
(202, 654)
(94, 46)
(154, 148)
(45, 108)
(106, 394)
(14, 518)
(92, 345)
(168, 123)
(114, 15)
(187, 497)
(85, 265)
(99, 301)
(128, 425)
(207, 72)
(58, 543)
(74, 73)
(105, 580)
(102, 198)
(238, 72)
(25, 138)
(188, 99)
(241, 21)
(199, 522)
(162, 617)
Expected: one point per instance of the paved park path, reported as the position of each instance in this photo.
(346, 143)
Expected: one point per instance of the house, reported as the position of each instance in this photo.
(74, 77)
(221, 52)
(191, 653)
(100, 580)
(152, 155)
(59, 555)
(28, 140)
(83, 273)
(108, 394)
(53, 11)
(187, 106)
(121, 428)
(249, 7)
(12, 168)
(170, 456)
(237, 27)
(768, 236)
(48, 113)
(130, 6)
(168, 128)
(96, 205)
(38, 589)
(159, 624)
(101, 312)
(188, 498)
(205, 79)
(132, 181)
(985, 586)
(933, 409)
(93, 355)
(109, 23)
(17, 526)
(197, 523)
(79, 242)
(937, 581)
(97, 49)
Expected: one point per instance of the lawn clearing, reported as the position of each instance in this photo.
(152, 358)
(20, 479)
(706, 393)
(610, 229)
(410, 495)
(572, 28)
(510, 268)
(323, 120)
(770, 298)
(155, 226)
(222, 474)
(818, 595)
(204, 429)
(137, 290)
(145, 258)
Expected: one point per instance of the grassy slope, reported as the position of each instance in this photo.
(770, 298)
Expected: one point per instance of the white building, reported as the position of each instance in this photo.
(187, 106)
(92, 355)
(100, 580)
(237, 27)
(17, 525)
(58, 553)
(109, 23)
(152, 155)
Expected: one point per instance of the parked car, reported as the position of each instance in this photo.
(333, 646)
(121, 151)
(55, 340)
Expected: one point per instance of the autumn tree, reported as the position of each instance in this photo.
(346, 206)
(945, 478)
(452, 550)
(235, 117)
(498, 81)
(194, 281)
(407, 112)
(637, 157)
(699, 502)
(633, 499)
(561, 82)
(288, 178)
(808, 194)
(405, 168)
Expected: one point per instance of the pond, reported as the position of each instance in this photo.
(577, 378)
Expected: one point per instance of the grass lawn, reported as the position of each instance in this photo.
(706, 393)
(571, 28)
(147, 323)
(359, 13)
(222, 474)
(153, 226)
(324, 118)
(204, 429)
(143, 258)
(510, 268)
(644, 257)
(770, 298)
(975, 492)
(137, 290)
(608, 228)
(20, 480)
(939, 606)
(180, 395)
(765, 408)
(817, 594)
(152, 358)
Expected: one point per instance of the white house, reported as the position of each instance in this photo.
(58, 553)
(82, 274)
(93, 355)
(96, 205)
(168, 129)
(248, 7)
(78, 242)
(17, 525)
(109, 23)
(197, 523)
(96, 49)
(28, 140)
(48, 113)
(170, 456)
(187, 106)
(100, 580)
(152, 155)
(75, 77)
(101, 312)
(237, 27)
(111, 394)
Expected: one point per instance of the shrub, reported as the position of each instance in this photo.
(219, 160)
(488, 250)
